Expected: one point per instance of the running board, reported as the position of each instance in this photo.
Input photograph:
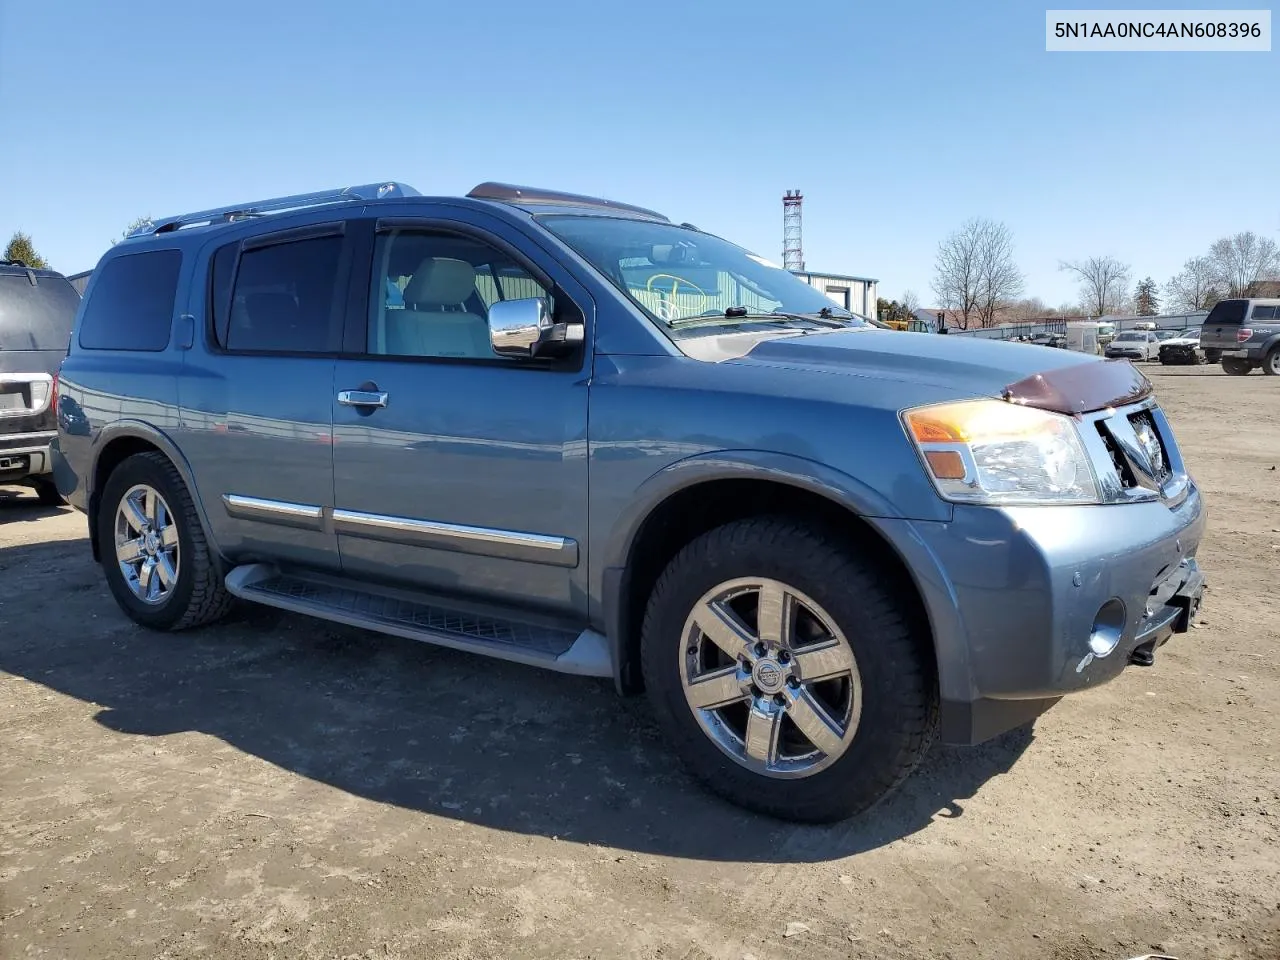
(359, 605)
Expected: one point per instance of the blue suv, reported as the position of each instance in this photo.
(569, 432)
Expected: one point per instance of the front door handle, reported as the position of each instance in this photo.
(362, 398)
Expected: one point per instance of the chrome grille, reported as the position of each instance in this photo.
(1144, 425)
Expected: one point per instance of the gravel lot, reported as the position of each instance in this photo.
(280, 787)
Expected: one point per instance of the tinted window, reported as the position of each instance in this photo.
(131, 304)
(36, 317)
(1227, 311)
(283, 300)
(432, 292)
(1265, 313)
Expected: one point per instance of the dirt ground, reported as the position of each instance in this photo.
(280, 787)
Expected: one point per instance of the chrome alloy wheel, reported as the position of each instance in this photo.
(147, 544)
(770, 678)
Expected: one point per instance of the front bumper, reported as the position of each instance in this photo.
(1016, 595)
(1180, 354)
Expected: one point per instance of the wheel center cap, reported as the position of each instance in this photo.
(150, 543)
(768, 675)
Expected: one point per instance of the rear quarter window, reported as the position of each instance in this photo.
(130, 305)
(36, 316)
(1265, 313)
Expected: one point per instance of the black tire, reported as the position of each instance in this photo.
(198, 596)
(899, 706)
(1271, 362)
(47, 492)
(1236, 366)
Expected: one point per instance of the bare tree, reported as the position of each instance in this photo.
(1000, 278)
(1028, 309)
(1194, 288)
(1104, 282)
(910, 302)
(974, 273)
(1241, 260)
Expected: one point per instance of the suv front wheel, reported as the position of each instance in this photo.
(788, 675)
(153, 549)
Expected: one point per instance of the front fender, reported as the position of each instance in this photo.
(610, 586)
(781, 468)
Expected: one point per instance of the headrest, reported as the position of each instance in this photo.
(441, 280)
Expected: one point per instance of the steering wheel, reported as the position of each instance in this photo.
(668, 306)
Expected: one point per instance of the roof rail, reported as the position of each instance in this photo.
(254, 208)
(510, 193)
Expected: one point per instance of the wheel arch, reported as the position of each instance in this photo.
(115, 444)
(1271, 345)
(690, 498)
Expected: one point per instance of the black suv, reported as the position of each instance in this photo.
(37, 310)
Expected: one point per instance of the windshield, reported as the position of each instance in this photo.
(1132, 336)
(683, 278)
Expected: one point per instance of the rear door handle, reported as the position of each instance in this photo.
(362, 398)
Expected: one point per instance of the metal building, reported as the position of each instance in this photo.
(858, 294)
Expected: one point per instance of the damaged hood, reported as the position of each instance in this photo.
(1046, 377)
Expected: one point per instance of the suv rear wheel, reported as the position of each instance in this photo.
(788, 676)
(1236, 366)
(154, 553)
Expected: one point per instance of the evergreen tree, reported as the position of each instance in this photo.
(1145, 298)
(20, 248)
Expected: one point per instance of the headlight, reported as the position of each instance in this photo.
(995, 452)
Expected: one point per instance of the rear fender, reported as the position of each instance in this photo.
(140, 430)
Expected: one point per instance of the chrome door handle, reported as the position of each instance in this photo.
(362, 398)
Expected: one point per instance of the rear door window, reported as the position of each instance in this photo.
(36, 317)
(282, 298)
(1265, 313)
(1227, 312)
(131, 304)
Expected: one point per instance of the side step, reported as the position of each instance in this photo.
(401, 615)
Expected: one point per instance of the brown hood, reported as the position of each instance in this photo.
(1081, 388)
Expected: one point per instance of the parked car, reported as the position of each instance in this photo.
(588, 439)
(1246, 333)
(37, 308)
(1050, 340)
(1133, 345)
(1181, 347)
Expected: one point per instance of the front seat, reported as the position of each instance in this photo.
(435, 321)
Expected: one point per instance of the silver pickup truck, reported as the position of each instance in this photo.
(1247, 333)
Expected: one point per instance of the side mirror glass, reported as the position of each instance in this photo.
(525, 328)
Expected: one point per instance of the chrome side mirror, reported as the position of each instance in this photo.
(525, 328)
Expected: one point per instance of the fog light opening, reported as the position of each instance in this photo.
(1108, 625)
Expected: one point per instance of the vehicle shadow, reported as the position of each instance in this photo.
(19, 504)
(425, 728)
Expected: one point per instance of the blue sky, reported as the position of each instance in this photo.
(896, 120)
